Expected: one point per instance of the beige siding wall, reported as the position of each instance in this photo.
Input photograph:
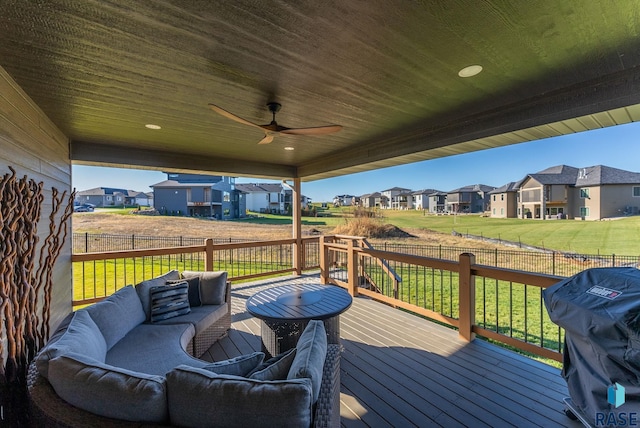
(34, 147)
(615, 198)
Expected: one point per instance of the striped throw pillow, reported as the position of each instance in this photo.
(168, 301)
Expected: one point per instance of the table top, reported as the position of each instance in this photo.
(299, 302)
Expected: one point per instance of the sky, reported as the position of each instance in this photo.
(617, 147)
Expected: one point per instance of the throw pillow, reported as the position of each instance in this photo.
(276, 368)
(143, 289)
(238, 366)
(168, 301)
(194, 289)
(213, 286)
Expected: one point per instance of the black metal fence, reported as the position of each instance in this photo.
(546, 262)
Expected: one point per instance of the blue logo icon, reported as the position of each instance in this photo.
(615, 395)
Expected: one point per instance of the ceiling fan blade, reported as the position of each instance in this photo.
(318, 130)
(231, 116)
(267, 139)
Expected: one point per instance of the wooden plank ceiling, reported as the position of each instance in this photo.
(386, 70)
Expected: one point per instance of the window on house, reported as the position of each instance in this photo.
(502, 197)
(584, 211)
(494, 211)
(227, 212)
(584, 193)
(636, 191)
(226, 197)
(494, 198)
(501, 211)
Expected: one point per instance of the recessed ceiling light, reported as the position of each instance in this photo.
(152, 126)
(289, 148)
(470, 71)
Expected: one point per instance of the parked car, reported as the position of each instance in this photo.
(83, 208)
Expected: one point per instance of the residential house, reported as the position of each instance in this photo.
(397, 197)
(102, 196)
(590, 193)
(273, 198)
(373, 200)
(421, 198)
(344, 200)
(195, 195)
(438, 203)
(469, 199)
(504, 200)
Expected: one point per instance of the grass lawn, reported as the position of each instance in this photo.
(588, 237)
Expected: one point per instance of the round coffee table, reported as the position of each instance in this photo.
(286, 310)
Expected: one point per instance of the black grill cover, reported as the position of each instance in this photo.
(600, 312)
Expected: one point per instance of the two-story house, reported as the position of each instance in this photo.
(590, 193)
(197, 195)
(273, 198)
(421, 198)
(396, 197)
(504, 200)
(469, 199)
(438, 202)
(373, 200)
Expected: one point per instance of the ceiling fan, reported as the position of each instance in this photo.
(272, 129)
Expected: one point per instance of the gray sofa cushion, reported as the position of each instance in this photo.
(238, 366)
(116, 315)
(143, 289)
(154, 349)
(169, 301)
(82, 336)
(213, 286)
(201, 317)
(276, 368)
(109, 391)
(311, 351)
(199, 398)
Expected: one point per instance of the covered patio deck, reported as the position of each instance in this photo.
(398, 369)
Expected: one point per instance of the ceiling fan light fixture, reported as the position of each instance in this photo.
(152, 126)
(470, 71)
(289, 148)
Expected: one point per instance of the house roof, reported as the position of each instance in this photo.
(600, 174)
(425, 192)
(473, 188)
(260, 187)
(397, 189)
(386, 71)
(101, 191)
(588, 176)
(174, 183)
(512, 186)
(559, 174)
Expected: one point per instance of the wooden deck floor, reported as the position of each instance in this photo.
(399, 370)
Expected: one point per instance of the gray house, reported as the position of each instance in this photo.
(469, 199)
(421, 199)
(438, 202)
(103, 197)
(194, 195)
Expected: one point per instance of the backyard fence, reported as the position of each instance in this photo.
(546, 262)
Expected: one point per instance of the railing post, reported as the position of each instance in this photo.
(324, 260)
(467, 289)
(352, 268)
(208, 256)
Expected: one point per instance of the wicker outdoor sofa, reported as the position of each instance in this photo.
(109, 365)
